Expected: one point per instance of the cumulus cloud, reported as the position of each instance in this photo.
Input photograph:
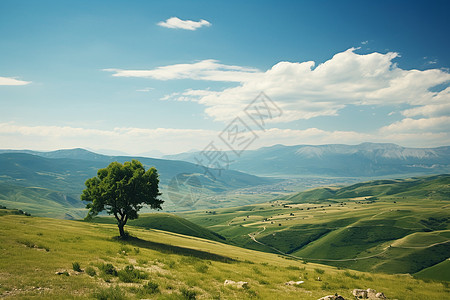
(209, 69)
(12, 81)
(177, 23)
(439, 124)
(304, 90)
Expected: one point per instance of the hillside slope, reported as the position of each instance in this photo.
(39, 257)
(167, 222)
(66, 171)
(392, 226)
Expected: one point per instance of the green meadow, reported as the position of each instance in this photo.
(60, 259)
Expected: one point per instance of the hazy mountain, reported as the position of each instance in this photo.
(363, 160)
(65, 171)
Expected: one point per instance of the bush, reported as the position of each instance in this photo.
(188, 294)
(319, 271)
(151, 287)
(112, 293)
(130, 274)
(90, 271)
(124, 250)
(76, 266)
(350, 275)
(108, 269)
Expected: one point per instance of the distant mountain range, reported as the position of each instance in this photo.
(363, 160)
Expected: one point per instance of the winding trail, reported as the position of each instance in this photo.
(254, 234)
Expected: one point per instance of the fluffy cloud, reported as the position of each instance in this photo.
(177, 23)
(439, 124)
(304, 90)
(209, 69)
(12, 81)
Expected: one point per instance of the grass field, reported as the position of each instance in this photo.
(162, 265)
(390, 226)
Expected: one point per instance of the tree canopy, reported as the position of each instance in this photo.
(122, 190)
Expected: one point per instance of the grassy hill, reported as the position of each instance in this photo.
(390, 226)
(166, 222)
(41, 202)
(435, 186)
(65, 172)
(39, 256)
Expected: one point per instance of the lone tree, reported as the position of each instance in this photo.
(122, 190)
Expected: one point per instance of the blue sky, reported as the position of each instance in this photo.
(140, 76)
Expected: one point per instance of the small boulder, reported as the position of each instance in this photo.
(380, 296)
(359, 293)
(239, 284)
(294, 282)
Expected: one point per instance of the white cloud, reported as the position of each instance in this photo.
(177, 23)
(12, 81)
(439, 124)
(147, 89)
(364, 42)
(304, 90)
(208, 69)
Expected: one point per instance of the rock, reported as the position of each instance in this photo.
(332, 297)
(239, 284)
(371, 293)
(362, 294)
(229, 282)
(368, 294)
(294, 282)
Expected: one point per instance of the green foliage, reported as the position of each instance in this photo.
(111, 293)
(319, 271)
(188, 294)
(151, 287)
(122, 190)
(76, 266)
(90, 271)
(108, 269)
(201, 268)
(130, 274)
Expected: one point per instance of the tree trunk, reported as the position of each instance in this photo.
(121, 231)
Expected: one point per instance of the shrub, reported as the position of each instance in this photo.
(350, 275)
(319, 271)
(76, 266)
(108, 269)
(188, 294)
(151, 287)
(112, 293)
(124, 250)
(130, 274)
(90, 271)
(292, 268)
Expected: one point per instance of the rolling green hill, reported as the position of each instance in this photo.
(391, 226)
(40, 257)
(66, 171)
(42, 202)
(167, 222)
(436, 186)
